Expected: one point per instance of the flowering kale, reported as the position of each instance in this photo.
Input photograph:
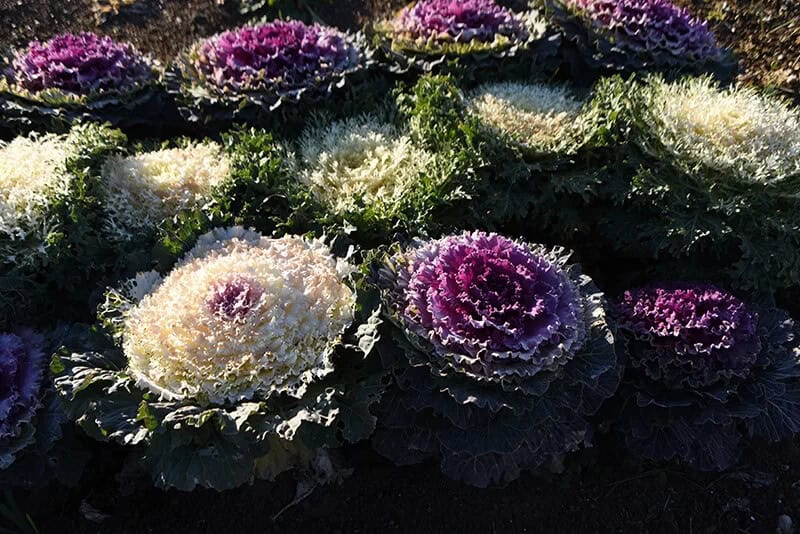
(374, 175)
(713, 178)
(22, 366)
(702, 367)
(449, 21)
(71, 77)
(426, 33)
(141, 191)
(80, 64)
(636, 34)
(47, 219)
(361, 162)
(736, 133)
(504, 353)
(234, 365)
(264, 65)
(541, 119)
(34, 447)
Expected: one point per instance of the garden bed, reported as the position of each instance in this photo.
(609, 141)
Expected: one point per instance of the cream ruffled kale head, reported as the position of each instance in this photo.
(241, 316)
(360, 161)
(740, 131)
(144, 189)
(538, 116)
(32, 175)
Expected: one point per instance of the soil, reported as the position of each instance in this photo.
(765, 35)
(610, 495)
(603, 490)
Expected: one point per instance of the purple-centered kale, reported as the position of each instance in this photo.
(702, 367)
(281, 53)
(636, 34)
(80, 65)
(696, 335)
(454, 21)
(21, 375)
(501, 352)
(492, 306)
(253, 73)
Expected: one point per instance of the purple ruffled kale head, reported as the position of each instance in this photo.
(281, 53)
(21, 375)
(689, 336)
(80, 64)
(459, 21)
(648, 27)
(492, 307)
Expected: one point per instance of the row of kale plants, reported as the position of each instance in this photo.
(476, 266)
(269, 74)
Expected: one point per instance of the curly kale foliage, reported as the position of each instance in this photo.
(78, 77)
(262, 192)
(606, 36)
(704, 369)
(67, 253)
(500, 354)
(748, 231)
(489, 182)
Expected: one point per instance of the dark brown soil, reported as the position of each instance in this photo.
(765, 34)
(609, 496)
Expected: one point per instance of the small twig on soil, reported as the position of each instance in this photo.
(646, 474)
(297, 500)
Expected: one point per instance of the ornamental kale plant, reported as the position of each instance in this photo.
(77, 77)
(360, 161)
(375, 176)
(734, 134)
(243, 361)
(49, 244)
(249, 72)
(542, 120)
(635, 35)
(30, 416)
(501, 353)
(428, 33)
(703, 369)
(713, 177)
(22, 366)
(142, 190)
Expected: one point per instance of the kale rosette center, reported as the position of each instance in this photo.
(234, 298)
(493, 306)
(690, 335)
